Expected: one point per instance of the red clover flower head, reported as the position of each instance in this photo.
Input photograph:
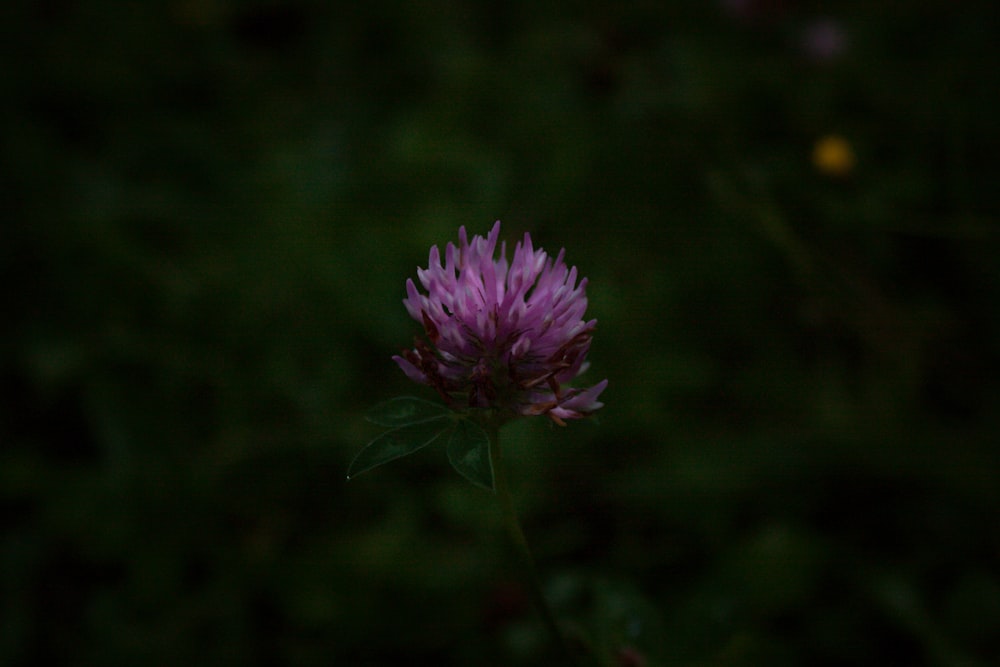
(502, 336)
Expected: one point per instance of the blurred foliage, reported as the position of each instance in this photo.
(213, 206)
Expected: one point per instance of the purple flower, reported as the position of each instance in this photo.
(501, 336)
(824, 39)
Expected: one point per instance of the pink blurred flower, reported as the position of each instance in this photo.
(506, 337)
(824, 39)
(755, 10)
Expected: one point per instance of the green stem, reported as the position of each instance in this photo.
(526, 563)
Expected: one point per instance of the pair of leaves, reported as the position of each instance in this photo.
(414, 424)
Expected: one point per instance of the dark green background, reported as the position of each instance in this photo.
(212, 208)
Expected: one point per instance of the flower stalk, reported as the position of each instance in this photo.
(525, 561)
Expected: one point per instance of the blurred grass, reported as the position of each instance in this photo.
(213, 207)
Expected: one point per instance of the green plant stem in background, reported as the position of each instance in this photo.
(526, 563)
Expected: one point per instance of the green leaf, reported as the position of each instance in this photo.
(469, 453)
(405, 410)
(396, 443)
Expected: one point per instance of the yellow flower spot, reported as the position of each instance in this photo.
(833, 156)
